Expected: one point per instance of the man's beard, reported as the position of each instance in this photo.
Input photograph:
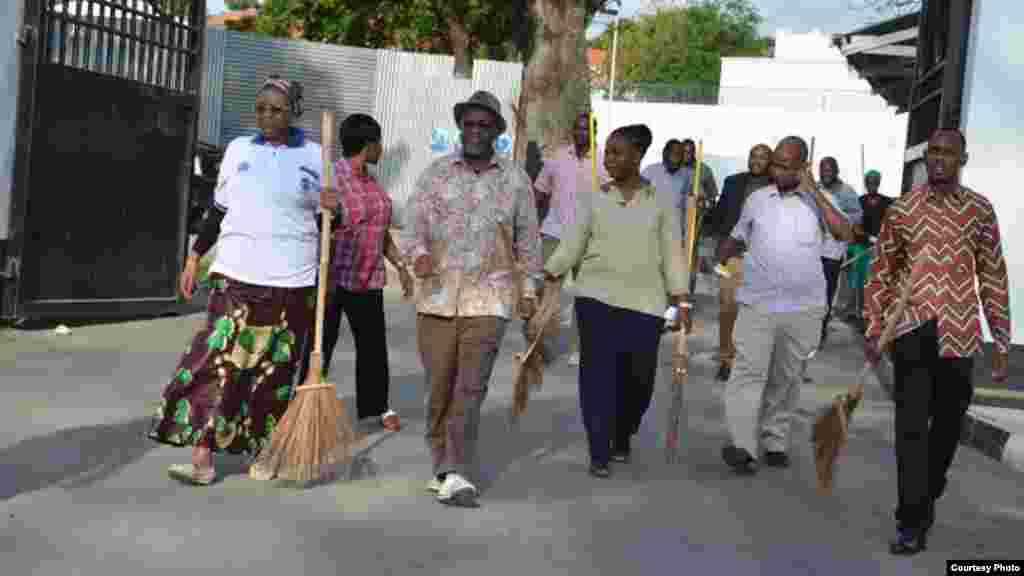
(478, 151)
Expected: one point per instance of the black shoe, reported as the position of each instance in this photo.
(908, 543)
(776, 459)
(621, 451)
(600, 471)
(739, 460)
(724, 371)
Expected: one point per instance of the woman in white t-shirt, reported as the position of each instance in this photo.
(235, 379)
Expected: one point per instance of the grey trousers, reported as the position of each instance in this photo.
(763, 390)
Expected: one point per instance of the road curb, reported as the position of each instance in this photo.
(987, 437)
(998, 398)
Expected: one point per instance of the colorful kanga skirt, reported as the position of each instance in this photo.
(235, 380)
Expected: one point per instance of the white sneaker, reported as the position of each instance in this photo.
(574, 359)
(434, 485)
(457, 491)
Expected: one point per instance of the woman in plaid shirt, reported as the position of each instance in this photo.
(356, 282)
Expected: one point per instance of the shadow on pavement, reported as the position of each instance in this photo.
(73, 457)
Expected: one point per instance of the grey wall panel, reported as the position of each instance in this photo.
(338, 78)
(211, 103)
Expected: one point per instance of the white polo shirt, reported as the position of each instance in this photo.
(271, 195)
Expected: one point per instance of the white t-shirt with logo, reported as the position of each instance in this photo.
(271, 195)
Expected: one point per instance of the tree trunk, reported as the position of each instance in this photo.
(556, 85)
(460, 47)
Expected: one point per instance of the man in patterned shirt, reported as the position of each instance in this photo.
(952, 231)
(472, 232)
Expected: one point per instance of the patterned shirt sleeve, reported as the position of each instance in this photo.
(881, 288)
(528, 250)
(414, 237)
(993, 282)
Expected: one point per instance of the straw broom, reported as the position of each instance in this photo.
(680, 353)
(831, 429)
(530, 371)
(315, 434)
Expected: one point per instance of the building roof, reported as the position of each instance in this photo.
(884, 54)
(219, 20)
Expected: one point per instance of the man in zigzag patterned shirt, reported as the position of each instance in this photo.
(953, 229)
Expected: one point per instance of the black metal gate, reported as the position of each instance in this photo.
(108, 100)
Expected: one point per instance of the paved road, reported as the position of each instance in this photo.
(82, 492)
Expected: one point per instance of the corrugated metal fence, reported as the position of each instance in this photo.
(411, 95)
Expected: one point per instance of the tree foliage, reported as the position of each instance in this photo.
(684, 46)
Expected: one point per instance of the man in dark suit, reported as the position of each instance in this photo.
(726, 213)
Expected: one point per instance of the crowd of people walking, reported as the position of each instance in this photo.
(475, 252)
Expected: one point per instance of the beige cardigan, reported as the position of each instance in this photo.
(630, 255)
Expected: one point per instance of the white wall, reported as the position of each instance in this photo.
(994, 127)
(729, 133)
(10, 18)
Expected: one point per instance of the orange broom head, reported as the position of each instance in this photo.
(830, 434)
(314, 439)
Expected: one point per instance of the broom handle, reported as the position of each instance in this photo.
(327, 149)
(593, 153)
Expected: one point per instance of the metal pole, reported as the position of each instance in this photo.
(611, 87)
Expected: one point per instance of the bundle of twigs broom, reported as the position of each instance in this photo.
(315, 434)
(831, 428)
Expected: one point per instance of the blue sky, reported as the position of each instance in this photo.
(795, 15)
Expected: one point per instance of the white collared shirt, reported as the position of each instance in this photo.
(271, 195)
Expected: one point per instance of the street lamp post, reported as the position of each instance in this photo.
(615, 45)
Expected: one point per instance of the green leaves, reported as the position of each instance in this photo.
(182, 412)
(283, 393)
(184, 376)
(223, 330)
(247, 340)
(284, 342)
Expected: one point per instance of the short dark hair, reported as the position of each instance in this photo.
(638, 135)
(799, 143)
(357, 132)
(672, 142)
(690, 142)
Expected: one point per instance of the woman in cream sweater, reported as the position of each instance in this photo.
(627, 244)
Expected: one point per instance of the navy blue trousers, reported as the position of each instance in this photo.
(618, 364)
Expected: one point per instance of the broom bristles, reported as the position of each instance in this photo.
(314, 438)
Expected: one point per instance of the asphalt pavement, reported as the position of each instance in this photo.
(83, 492)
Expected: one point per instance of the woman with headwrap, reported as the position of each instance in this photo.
(235, 378)
(626, 242)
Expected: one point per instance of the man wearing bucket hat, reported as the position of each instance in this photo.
(470, 223)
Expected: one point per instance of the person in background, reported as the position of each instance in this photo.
(873, 205)
(834, 251)
(709, 191)
(666, 176)
(626, 241)
(952, 232)
(236, 378)
(735, 191)
(356, 285)
(470, 223)
(562, 180)
(781, 305)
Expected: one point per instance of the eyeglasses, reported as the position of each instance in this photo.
(262, 110)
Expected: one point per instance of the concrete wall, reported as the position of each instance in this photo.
(10, 22)
(730, 131)
(994, 125)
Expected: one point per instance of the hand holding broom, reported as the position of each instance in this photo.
(831, 429)
(315, 434)
(680, 354)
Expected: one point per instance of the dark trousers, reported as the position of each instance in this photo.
(365, 313)
(832, 269)
(618, 363)
(932, 395)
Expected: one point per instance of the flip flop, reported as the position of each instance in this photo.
(189, 474)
